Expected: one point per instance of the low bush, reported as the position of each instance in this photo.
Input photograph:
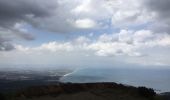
(146, 92)
(2, 97)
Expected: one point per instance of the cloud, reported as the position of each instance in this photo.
(58, 16)
(128, 42)
(143, 26)
(127, 45)
(54, 15)
(71, 16)
(125, 42)
(160, 7)
(22, 32)
(85, 23)
(65, 16)
(133, 15)
(55, 46)
(5, 43)
(81, 40)
(93, 9)
(18, 10)
(161, 19)
(8, 36)
(12, 16)
(131, 46)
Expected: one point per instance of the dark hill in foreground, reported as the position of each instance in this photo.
(83, 91)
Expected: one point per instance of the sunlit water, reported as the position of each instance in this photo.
(152, 78)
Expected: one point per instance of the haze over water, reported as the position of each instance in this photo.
(158, 79)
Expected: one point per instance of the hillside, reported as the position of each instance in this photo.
(84, 91)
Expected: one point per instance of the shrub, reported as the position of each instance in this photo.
(146, 92)
(2, 97)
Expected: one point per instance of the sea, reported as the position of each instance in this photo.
(157, 79)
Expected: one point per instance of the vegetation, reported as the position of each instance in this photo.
(146, 92)
(84, 91)
(2, 96)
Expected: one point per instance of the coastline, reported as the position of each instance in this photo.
(133, 77)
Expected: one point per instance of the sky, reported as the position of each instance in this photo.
(105, 33)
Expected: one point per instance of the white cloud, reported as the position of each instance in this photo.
(82, 40)
(57, 15)
(55, 46)
(65, 16)
(130, 13)
(92, 9)
(83, 7)
(129, 45)
(107, 37)
(85, 24)
(126, 36)
(111, 48)
(119, 11)
(22, 48)
(69, 16)
(126, 42)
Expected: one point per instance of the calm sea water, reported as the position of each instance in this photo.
(158, 79)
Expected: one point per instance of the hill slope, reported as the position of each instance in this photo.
(82, 91)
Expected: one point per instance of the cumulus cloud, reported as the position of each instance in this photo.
(162, 12)
(85, 23)
(67, 16)
(131, 29)
(160, 7)
(21, 32)
(125, 42)
(59, 16)
(5, 43)
(13, 15)
(134, 46)
(55, 46)
(130, 13)
(93, 9)
(18, 10)
(64, 16)
(7, 36)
